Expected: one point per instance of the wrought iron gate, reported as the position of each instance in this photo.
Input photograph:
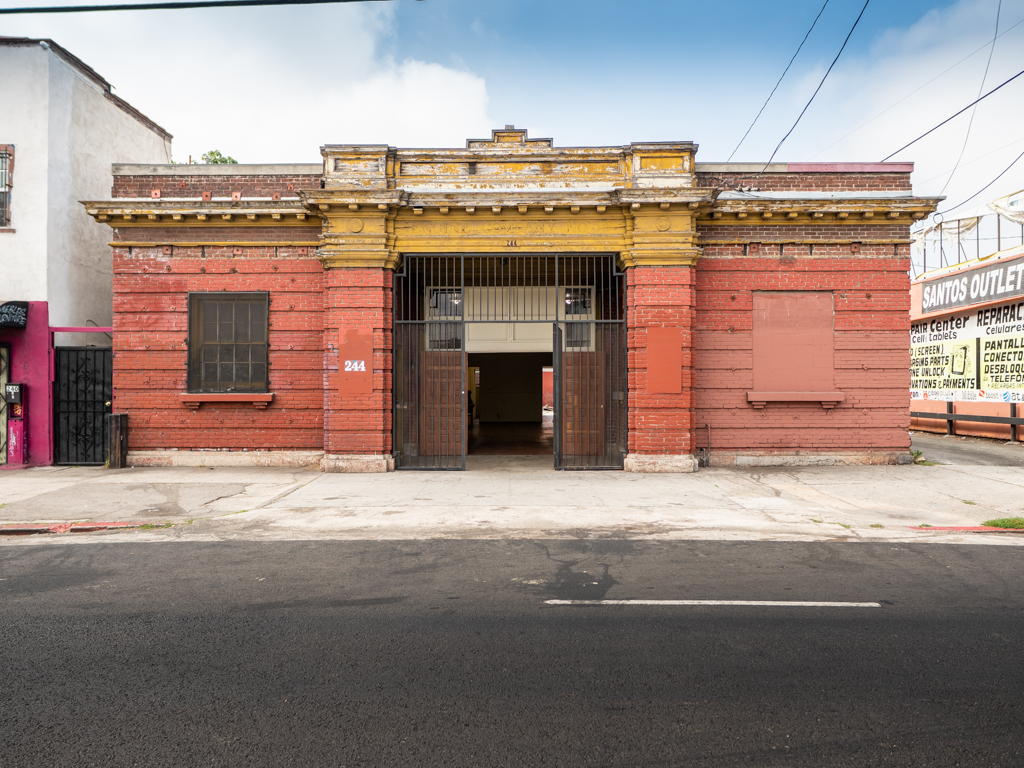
(81, 402)
(438, 300)
(5, 376)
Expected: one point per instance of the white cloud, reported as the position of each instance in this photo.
(272, 84)
(899, 62)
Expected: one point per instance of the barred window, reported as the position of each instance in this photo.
(227, 342)
(6, 182)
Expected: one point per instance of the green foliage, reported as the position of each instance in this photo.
(1005, 522)
(214, 157)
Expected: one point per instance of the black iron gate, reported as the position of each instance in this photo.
(437, 297)
(82, 398)
(5, 376)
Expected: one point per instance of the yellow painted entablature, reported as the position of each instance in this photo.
(513, 193)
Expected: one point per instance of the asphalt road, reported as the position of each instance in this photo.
(441, 653)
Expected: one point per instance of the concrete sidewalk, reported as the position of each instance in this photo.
(523, 497)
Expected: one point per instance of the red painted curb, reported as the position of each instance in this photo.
(969, 528)
(24, 530)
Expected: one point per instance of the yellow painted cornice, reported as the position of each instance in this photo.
(194, 213)
(882, 210)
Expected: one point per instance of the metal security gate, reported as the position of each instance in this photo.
(590, 395)
(82, 398)
(443, 305)
(5, 376)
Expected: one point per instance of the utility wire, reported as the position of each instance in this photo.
(896, 104)
(813, 23)
(995, 36)
(173, 6)
(932, 130)
(997, 178)
(807, 106)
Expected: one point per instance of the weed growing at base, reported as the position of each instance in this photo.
(1005, 522)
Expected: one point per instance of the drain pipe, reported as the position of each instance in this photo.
(707, 451)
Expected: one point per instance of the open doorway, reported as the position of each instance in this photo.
(507, 392)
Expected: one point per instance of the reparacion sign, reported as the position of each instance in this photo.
(1002, 280)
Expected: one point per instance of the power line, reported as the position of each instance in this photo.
(807, 106)
(967, 136)
(813, 23)
(173, 6)
(932, 130)
(997, 178)
(920, 87)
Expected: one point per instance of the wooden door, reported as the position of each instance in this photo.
(583, 405)
(441, 406)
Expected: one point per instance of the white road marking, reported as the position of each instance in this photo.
(756, 603)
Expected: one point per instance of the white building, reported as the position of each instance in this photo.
(61, 129)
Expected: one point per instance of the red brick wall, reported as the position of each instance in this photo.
(659, 296)
(358, 299)
(150, 347)
(872, 358)
(231, 234)
(804, 181)
(218, 186)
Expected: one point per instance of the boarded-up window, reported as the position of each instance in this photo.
(227, 342)
(793, 342)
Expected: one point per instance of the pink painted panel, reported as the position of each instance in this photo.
(664, 360)
(793, 341)
(30, 365)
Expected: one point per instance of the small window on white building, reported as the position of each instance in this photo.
(6, 176)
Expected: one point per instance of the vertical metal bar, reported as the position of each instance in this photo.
(556, 381)
(949, 422)
(1013, 427)
(464, 428)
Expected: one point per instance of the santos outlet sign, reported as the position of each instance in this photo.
(1002, 280)
(976, 355)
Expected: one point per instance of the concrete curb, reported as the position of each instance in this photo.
(17, 529)
(966, 528)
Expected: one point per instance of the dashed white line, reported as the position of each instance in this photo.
(754, 603)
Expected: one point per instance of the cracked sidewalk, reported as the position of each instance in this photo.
(522, 497)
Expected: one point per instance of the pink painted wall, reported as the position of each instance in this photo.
(30, 365)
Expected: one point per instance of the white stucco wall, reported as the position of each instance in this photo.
(67, 134)
(87, 134)
(24, 122)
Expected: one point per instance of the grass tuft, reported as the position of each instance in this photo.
(972, 503)
(1005, 522)
(877, 525)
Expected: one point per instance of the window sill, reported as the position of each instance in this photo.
(7, 230)
(828, 400)
(259, 400)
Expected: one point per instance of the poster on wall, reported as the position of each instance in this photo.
(975, 355)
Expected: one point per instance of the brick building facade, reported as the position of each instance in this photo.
(763, 309)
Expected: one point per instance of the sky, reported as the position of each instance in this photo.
(268, 85)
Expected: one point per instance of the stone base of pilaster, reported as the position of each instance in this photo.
(796, 458)
(223, 458)
(336, 462)
(639, 462)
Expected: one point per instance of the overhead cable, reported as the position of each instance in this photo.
(997, 178)
(957, 114)
(173, 6)
(813, 23)
(995, 36)
(823, 79)
(920, 87)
